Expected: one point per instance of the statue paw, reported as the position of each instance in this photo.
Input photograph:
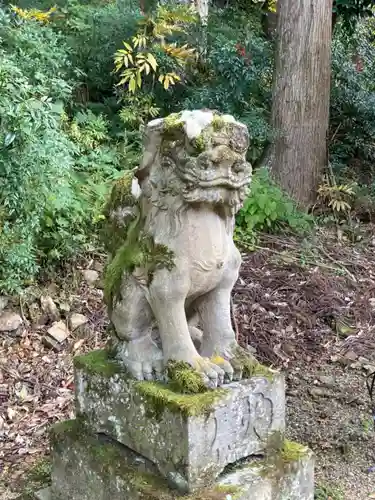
(142, 358)
(145, 370)
(241, 362)
(211, 374)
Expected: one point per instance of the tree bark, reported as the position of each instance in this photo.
(300, 105)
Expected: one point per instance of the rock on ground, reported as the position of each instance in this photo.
(10, 321)
(90, 276)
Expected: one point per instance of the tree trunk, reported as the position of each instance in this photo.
(300, 105)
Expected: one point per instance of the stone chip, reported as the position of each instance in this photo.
(10, 321)
(76, 320)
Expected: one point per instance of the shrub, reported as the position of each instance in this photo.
(35, 158)
(352, 127)
(94, 32)
(267, 208)
(54, 169)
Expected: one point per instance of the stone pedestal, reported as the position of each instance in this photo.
(192, 437)
(142, 441)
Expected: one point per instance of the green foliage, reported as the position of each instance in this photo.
(54, 170)
(268, 209)
(328, 492)
(94, 31)
(352, 127)
(36, 158)
(349, 11)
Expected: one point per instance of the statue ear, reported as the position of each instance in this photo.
(151, 146)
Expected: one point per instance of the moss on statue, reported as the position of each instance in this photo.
(121, 194)
(184, 379)
(162, 396)
(172, 126)
(281, 456)
(115, 228)
(246, 363)
(98, 362)
(138, 251)
(200, 143)
(178, 396)
(218, 123)
(292, 451)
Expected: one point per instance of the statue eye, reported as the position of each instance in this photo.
(204, 162)
(238, 167)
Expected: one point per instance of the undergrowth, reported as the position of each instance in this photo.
(328, 492)
(268, 209)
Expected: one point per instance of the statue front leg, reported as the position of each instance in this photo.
(167, 295)
(219, 340)
(132, 319)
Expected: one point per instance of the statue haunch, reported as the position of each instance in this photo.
(170, 278)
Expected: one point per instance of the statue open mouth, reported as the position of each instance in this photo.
(227, 183)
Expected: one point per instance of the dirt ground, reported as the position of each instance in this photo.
(306, 307)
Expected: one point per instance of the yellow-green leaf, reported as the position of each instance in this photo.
(151, 59)
(132, 84)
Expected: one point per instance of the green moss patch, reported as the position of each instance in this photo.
(244, 362)
(184, 379)
(282, 456)
(139, 250)
(292, 451)
(36, 478)
(114, 234)
(98, 363)
(121, 194)
(172, 126)
(161, 396)
(218, 123)
(200, 143)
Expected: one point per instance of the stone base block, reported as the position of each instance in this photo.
(190, 437)
(87, 467)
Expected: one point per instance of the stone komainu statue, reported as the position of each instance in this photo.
(173, 261)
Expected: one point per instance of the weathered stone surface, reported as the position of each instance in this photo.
(90, 276)
(76, 320)
(10, 321)
(59, 331)
(193, 436)
(87, 467)
(49, 308)
(293, 480)
(179, 256)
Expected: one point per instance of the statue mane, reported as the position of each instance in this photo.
(192, 158)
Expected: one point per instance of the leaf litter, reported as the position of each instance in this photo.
(306, 307)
